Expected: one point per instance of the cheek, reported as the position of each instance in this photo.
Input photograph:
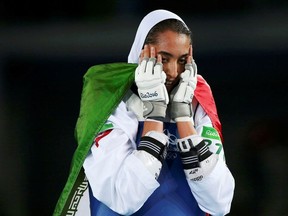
(180, 68)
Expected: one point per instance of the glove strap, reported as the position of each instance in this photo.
(181, 110)
(187, 147)
(154, 110)
(203, 151)
(194, 158)
(190, 159)
(153, 147)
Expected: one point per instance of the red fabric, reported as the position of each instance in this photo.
(205, 97)
(100, 136)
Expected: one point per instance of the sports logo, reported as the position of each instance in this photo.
(211, 133)
(148, 95)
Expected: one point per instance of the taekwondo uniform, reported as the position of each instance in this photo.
(107, 179)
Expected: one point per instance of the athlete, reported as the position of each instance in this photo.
(160, 152)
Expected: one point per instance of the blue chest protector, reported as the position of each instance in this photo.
(173, 197)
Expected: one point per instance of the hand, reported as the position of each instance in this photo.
(198, 161)
(182, 95)
(150, 79)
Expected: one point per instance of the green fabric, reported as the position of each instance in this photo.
(103, 88)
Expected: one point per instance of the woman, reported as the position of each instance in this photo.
(157, 162)
(159, 150)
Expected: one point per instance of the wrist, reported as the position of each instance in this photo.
(154, 110)
(185, 129)
(154, 143)
(181, 111)
(152, 125)
(184, 119)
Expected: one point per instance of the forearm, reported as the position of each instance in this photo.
(215, 192)
(151, 125)
(185, 129)
(116, 176)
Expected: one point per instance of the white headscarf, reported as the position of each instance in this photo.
(150, 20)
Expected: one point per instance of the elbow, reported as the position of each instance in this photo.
(127, 201)
(218, 208)
(125, 211)
(221, 209)
(222, 205)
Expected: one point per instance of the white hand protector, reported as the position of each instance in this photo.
(150, 80)
(152, 151)
(183, 93)
(197, 160)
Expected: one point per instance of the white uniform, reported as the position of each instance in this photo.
(120, 180)
(119, 183)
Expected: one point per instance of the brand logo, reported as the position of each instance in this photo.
(210, 132)
(149, 95)
(198, 178)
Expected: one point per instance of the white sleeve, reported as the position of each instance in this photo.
(214, 194)
(118, 178)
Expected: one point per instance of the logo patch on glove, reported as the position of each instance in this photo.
(149, 95)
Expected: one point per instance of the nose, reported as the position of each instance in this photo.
(172, 70)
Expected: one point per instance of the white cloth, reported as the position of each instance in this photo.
(148, 22)
(111, 166)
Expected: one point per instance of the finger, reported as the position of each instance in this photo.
(152, 52)
(189, 57)
(191, 51)
(194, 68)
(141, 56)
(146, 51)
(144, 58)
(158, 67)
(151, 61)
(159, 58)
(150, 65)
(142, 68)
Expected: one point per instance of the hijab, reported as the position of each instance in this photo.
(147, 23)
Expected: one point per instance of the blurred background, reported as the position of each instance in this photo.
(46, 47)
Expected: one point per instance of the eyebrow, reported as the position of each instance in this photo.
(170, 55)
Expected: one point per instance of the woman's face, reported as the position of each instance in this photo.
(174, 49)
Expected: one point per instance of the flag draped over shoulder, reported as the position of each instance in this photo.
(205, 97)
(103, 88)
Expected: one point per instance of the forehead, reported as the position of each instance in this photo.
(173, 43)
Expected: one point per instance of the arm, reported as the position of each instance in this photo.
(214, 193)
(116, 176)
(150, 79)
(209, 178)
(121, 176)
(185, 129)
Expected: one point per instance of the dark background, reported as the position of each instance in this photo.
(241, 48)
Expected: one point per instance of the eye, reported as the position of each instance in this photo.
(182, 61)
(164, 59)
